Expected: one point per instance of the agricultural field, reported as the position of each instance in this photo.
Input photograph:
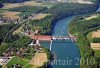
(10, 14)
(40, 16)
(96, 34)
(20, 9)
(97, 53)
(1, 11)
(27, 3)
(27, 10)
(18, 30)
(39, 59)
(95, 46)
(92, 17)
(10, 5)
(22, 61)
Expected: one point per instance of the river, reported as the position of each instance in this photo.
(66, 53)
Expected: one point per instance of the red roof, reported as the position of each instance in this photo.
(42, 37)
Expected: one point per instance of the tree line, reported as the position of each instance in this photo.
(80, 27)
(13, 1)
(62, 10)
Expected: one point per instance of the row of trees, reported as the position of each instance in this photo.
(96, 40)
(67, 9)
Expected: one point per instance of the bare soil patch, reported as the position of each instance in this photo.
(32, 3)
(8, 6)
(27, 3)
(12, 15)
(91, 17)
(95, 46)
(38, 60)
(96, 34)
(40, 16)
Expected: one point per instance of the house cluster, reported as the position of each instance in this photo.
(7, 20)
(4, 60)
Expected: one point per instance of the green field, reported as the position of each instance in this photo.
(89, 37)
(27, 10)
(1, 11)
(97, 53)
(21, 61)
(49, 5)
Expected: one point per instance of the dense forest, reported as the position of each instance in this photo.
(28, 10)
(4, 29)
(80, 27)
(62, 10)
(44, 25)
(12, 1)
(1, 4)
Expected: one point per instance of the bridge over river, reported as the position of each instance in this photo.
(49, 38)
(62, 51)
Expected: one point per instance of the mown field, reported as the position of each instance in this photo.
(22, 61)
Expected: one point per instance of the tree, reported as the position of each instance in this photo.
(1, 4)
(3, 49)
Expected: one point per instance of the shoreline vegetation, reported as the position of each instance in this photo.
(45, 26)
(79, 29)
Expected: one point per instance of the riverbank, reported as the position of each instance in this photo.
(45, 26)
(82, 40)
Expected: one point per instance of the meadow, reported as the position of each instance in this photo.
(22, 61)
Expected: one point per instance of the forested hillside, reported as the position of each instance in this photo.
(13, 1)
(62, 10)
(1, 4)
